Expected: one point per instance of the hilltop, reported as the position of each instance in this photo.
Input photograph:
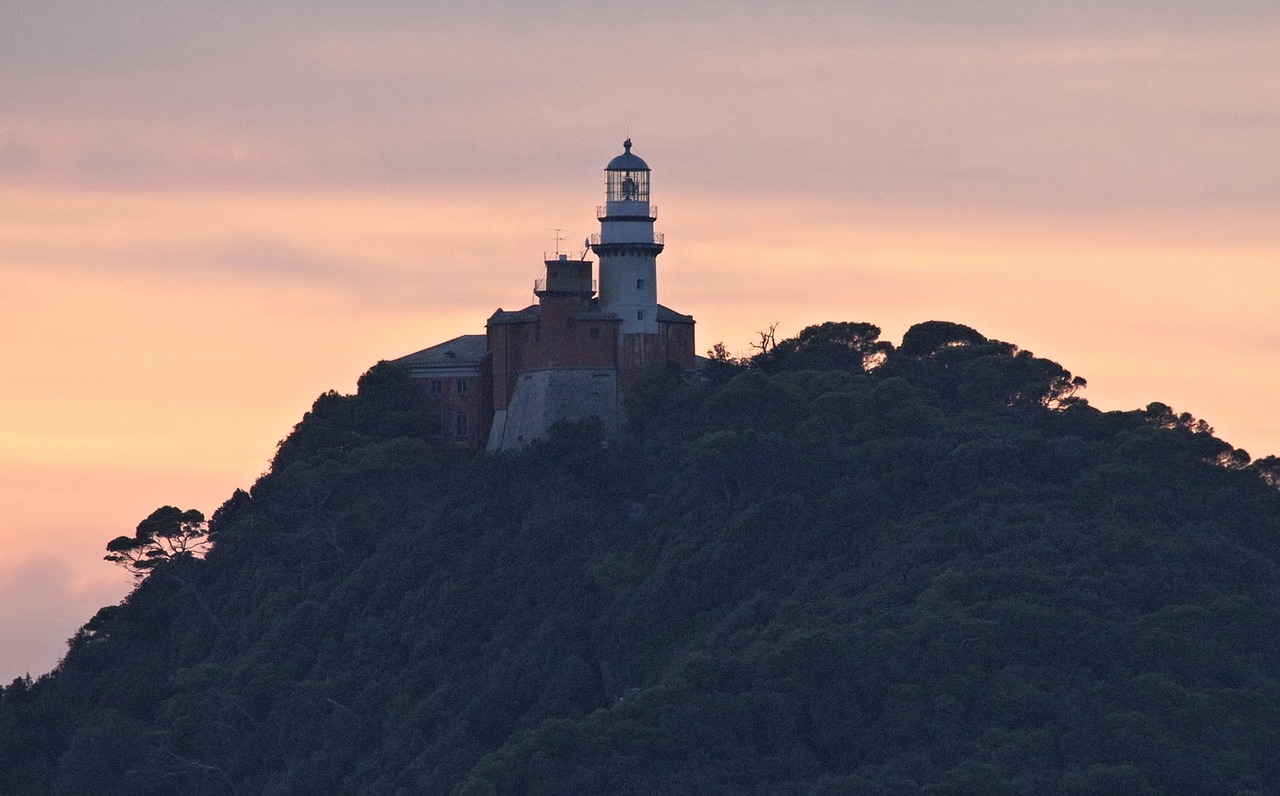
(839, 567)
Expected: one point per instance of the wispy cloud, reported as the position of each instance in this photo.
(1063, 109)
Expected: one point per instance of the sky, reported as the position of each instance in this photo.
(211, 213)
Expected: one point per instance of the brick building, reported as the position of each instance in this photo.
(579, 350)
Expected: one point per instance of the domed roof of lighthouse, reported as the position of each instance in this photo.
(627, 161)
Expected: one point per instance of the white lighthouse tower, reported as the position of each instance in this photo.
(628, 250)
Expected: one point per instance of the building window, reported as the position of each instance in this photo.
(595, 332)
(435, 387)
(435, 424)
(639, 284)
(463, 386)
(460, 424)
(639, 315)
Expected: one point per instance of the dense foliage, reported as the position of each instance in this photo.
(839, 568)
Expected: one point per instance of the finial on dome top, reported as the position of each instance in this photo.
(627, 161)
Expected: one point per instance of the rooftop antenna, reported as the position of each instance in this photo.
(559, 240)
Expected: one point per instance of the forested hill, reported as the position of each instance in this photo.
(841, 567)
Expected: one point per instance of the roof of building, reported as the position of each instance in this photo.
(526, 315)
(627, 161)
(469, 349)
(668, 315)
(530, 314)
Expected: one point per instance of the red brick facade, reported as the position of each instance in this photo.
(466, 380)
(566, 329)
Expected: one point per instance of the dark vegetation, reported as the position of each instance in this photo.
(837, 568)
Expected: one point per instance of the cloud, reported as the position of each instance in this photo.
(42, 604)
(17, 155)
(267, 251)
(256, 258)
(119, 160)
(1088, 108)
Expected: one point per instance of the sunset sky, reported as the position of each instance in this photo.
(211, 212)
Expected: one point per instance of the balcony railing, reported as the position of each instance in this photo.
(658, 238)
(572, 256)
(559, 285)
(602, 212)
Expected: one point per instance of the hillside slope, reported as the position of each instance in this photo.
(841, 568)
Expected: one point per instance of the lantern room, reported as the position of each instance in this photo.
(627, 177)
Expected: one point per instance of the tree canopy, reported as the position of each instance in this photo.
(166, 534)
(828, 346)
(847, 569)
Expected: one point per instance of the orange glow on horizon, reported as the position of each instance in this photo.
(159, 344)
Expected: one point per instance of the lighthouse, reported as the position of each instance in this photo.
(580, 350)
(627, 246)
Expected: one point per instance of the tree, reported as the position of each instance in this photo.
(768, 339)
(718, 353)
(926, 339)
(1268, 469)
(167, 534)
(847, 346)
(974, 371)
(721, 365)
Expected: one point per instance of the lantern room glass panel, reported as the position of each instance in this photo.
(627, 186)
